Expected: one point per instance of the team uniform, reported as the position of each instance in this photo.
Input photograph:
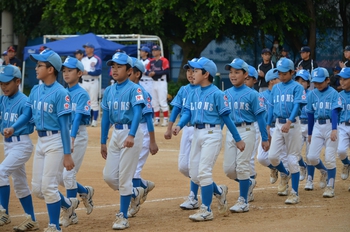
(321, 107)
(146, 82)
(17, 151)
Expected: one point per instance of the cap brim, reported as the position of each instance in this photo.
(318, 79)
(281, 70)
(5, 79)
(37, 57)
(68, 66)
(343, 75)
(194, 64)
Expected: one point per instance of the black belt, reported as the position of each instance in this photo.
(322, 120)
(284, 120)
(145, 80)
(273, 124)
(303, 121)
(88, 80)
(347, 123)
(121, 126)
(160, 79)
(46, 133)
(11, 139)
(243, 124)
(202, 126)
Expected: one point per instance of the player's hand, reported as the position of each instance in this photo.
(72, 144)
(265, 145)
(8, 132)
(241, 145)
(176, 130)
(68, 162)
(309, 138)
(167, 134)
(129, 142)
(334, 135)
(285, 128)
(341, 64)
(104, 151)
(153, 148)
(261, 74)
(299, 68)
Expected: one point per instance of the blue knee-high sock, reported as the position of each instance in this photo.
(27, 204)
(5, 197)
(54, 213)
(345, 161)
(207, 195)
(136, 182)
(71, 193)
(310, 172)
(320, 166)
(331, 177)
(194, 188)
(302, 163)
(244, 188)
(81, 189)
(252, 177)
(216, 189)
(64, 203)
(280, 167)
(95, 114)
(142, 184)
(124, 204)
(295, 182)
(271, 166)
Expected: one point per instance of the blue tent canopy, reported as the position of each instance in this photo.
(67, 47)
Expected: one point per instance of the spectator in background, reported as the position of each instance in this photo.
(276, 51)
(263, 68)
(11, 58)
(306, 62)
(284, 53)
(347, 58)
(335, 79)
(79, 54)
(146, 82)
(42, 48)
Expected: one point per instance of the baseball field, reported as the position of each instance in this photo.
(161, 211)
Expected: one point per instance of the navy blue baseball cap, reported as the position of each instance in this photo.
(156, 47)
(138, 64)
(78, 51)
(187, 66)
(90, 45)
(72, 62)
(120, 58)
(344, 73)
(252, 72)
(265, 50)
(9, 72)
(284, 65)
(319, 75)
(337, 68)
(48, 56)
(305, 49)
(237, 63)
(271, 75)
(347, 48)
(145, 49)
(206, 64)
(305, 74)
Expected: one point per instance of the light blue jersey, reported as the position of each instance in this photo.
(322, 103)
(265, 96)
(80, 104)
(206, 105)
(148, 108)
(245, 104)
(180, 98)
(10, 109)
(303, 110)
(345, 113)
(284, 96)
(119, 99)
(48, 103)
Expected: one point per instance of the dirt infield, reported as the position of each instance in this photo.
(161, 211)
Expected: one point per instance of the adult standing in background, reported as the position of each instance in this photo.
(276, 50)
(263, 68)
(146, 82)
(158, 69)
(92, 70)
(79, 54)
(347, 58)
(11, 58)
(306, 62)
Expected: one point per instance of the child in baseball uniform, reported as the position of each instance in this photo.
(178, 104)
(287, 99)
(17, 150)
(50, 106)
(72, 70)
(149, 141)
(122, 105)
(323, 107)
(272, 78)
(207, 108)
(344, 126)
(246, 108)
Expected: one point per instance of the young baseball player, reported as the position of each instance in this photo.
(246, 109)
(344, 126)
(146, 81)
(122, 105)
(207, 108)
(178, 104)
(287, 97)
(72, 70)
(149, 141)
(272, 78)
(323, 106)
(50, 106)
(17, 150)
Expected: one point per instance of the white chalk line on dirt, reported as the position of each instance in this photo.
(184, 197)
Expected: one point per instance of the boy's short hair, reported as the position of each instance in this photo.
(284, 65)
(48, 56)
(72, 62)
(237, 63)
(271, 75)
(319, 75)
(206, 64)
(304, 74)
(9, 72)
(344, 73)
(120, 58)
(187, 66)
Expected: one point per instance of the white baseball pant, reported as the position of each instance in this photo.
(147, 84)
(344, 140)
(257, 142)
(160, 95)
(16, 155)
(185, 149)
(305, 140)
(144, 151)
(92, 87)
